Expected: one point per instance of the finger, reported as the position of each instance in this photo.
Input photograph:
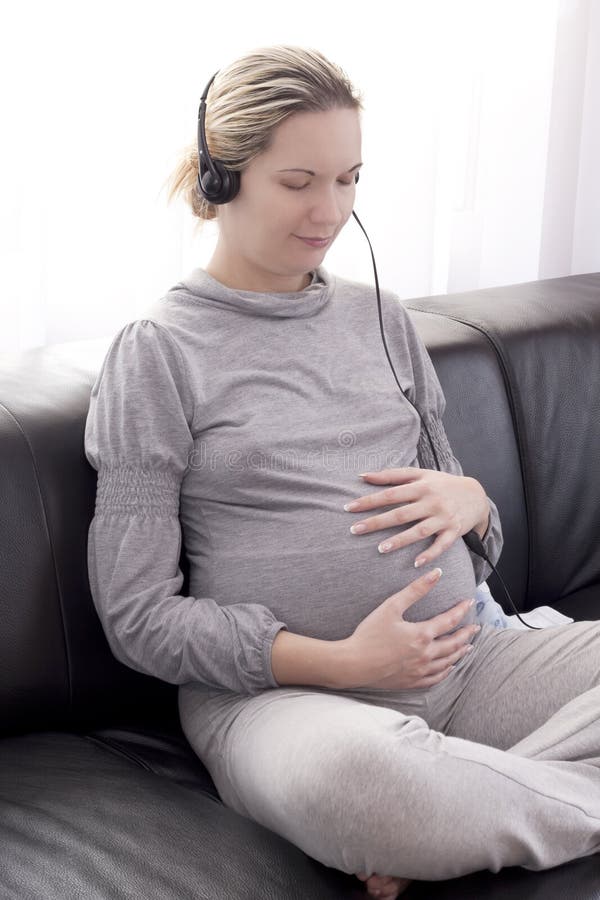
(446, 621)
(430, 680)
(384, 497)
(445, 646)
(443, 541)
(441, 664)
(419, 532)
(411, 511)
(391, 519)
(415, 590)
(393, 475)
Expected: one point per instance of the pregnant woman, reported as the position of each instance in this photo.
(336, 694)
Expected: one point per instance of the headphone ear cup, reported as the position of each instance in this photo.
(230, 183)
(210, 186)
(221, 188)
(356, 177)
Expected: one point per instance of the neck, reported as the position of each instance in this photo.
(238, 276)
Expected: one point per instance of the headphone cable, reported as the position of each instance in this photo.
(471, 538)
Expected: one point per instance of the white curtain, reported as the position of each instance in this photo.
(481, 140)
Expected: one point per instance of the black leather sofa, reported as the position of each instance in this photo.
(100, 794)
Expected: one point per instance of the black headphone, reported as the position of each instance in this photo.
(218, 184)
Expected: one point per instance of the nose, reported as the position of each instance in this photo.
(327, 209)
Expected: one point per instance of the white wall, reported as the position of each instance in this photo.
(480, 142)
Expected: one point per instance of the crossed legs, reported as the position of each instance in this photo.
(512, 776)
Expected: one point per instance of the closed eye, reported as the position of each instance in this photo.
(301, 188)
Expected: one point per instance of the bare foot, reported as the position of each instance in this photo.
(389, 887)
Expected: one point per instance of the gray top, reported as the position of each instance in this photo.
(242, 419)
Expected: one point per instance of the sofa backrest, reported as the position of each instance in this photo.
(524, 415)
(520, 368)
(56, 667)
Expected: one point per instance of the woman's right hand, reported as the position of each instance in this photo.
(389, 653)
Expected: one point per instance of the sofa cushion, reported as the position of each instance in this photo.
(82, 817)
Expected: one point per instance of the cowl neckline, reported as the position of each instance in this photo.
(285, 304)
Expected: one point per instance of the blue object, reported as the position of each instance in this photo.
(488, 611)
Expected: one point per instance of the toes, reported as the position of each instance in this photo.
(387, 887)
(374, 879)
(379, 881)
(381, 886)
(384, 887)
(390, 893)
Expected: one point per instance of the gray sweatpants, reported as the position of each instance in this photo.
(497, 765)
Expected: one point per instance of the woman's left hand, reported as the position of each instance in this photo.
(446, 505)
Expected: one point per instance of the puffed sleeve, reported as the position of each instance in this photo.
(138, 437)
(427, 394)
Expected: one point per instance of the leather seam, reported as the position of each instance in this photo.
(109, 744)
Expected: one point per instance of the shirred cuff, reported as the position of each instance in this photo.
(270, 636)
(488, 530)
(137, 490)
(440, 442)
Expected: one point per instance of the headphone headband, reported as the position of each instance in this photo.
(216, 183)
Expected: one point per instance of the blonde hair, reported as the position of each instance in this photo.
(247, 100)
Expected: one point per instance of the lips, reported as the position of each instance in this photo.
(314, 242)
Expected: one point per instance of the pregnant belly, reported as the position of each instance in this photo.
(326, 593)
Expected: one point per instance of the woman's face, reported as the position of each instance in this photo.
(260, 244)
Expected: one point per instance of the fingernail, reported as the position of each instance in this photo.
(433, 575)
(471, 603)
(362, 474)
(420, 561)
